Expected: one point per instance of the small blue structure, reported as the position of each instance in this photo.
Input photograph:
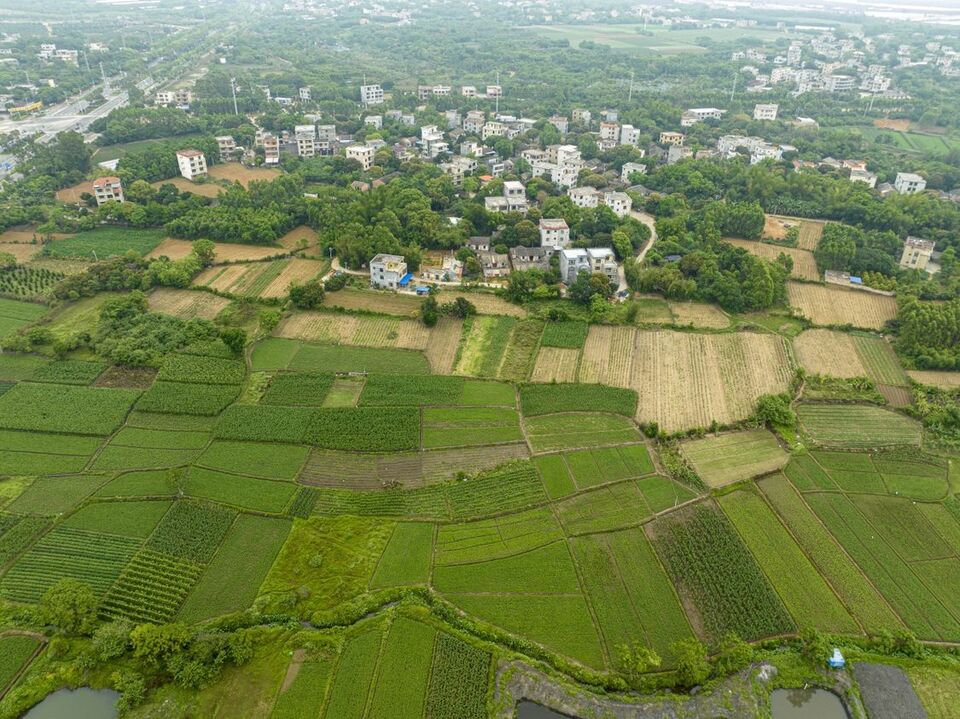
(836, 661)
(423, 290)
(856, 280)
(405, 280)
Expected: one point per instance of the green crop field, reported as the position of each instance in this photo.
(403, 672)
(537, 399)
(259, 495)
(857, 426)
(570, 431)
(571, 335)
(15, 652)
(105, 242)
(728, 458)
(406, 558)
(59, 408)
(458, 680)
(271, 461)
(444, 427)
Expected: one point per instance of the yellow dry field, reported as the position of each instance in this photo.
(299, 238)
(485, 303)
(235, 172)
(607, 355)
(353, 330)
(829, 353)
(297, 271)
(555, 364)
(186, 304)
(21, 251)
(221, 278)
(408, 305)
(776, 227)
(26, 235)
(933, 378)
(699, 315)
(810, 233)
(206, 189)
(225, 252)
(830, 305)
(442, 348)
(804, 266)
(71, 195)
(66, 267)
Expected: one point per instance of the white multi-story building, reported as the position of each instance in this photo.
(468, 91)
(592, 259)
(581, 117)
(672, 138)
(699, 114)
(864, 176)
(584, 196)
(306, 137)
(192, 163)
(371, 95)
(554, 233)
(609, 131)
(362, 154)
(629, 135)
(765, 112)
(493, 129)
(494, 91)
(386, 271)
(474, 121)
(916, 253)
(631, 168)
(304, 94)
(374, 121)
(908, 183)
(271, 149)
(561, 123)
(227, 145)
(619, 202)
(839, 83)
(107, 189)
(794, 54)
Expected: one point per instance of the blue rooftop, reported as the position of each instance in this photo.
(405, 280)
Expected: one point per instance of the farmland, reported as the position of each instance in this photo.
(837, 354)
(857, 425)
(804, 266)
(733, 457)
(186, 304)
(829, 305)
(103, 243)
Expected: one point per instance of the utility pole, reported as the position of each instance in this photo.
(499, 92)
(733, 90)
(233, 89)
(630, 92)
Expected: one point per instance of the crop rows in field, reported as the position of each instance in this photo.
(833, 305)
(469, 426)
(521, 351)
(15, 652)
(298, 389)
(16, 533)
(496, 537)
(360, 331)
(192, 531)
(295, 272)
(484, 345)
(570, 334)
(271, 278)
(407, 557)
(608, 355)
(186, 304)
(91, 557)
(78, 372)
(837, 354)
(151, 588)
(723, 587)
(854, 426)
(603, 509)
(735, 456)
(550, 432)
(441, 350)
(62, 408)
(199, 369)
(555, 364)
(458, 680)
(944, 380)
(28, 282)
(537, 399)
(282, 354)
(205, 400)
(345, 470)
(810, 233)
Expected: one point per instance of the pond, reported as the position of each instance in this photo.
(82, 703)
(807, 704)
(532, 710)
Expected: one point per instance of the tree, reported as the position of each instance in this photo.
(636, 659)
(774, 410)
(693, 668)
(589, 284)
(307, 296)
(235, 338)
(205, 251)
(156, 643)
(111, 640)
(813, 646)
(461, 307)
(836, 249)
(429, 311)
(733, 654)
(7, 261)
(132, 687)
(70, 605)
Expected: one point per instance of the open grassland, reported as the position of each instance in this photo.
(15, 314)
(642, 40)
(808, 598)
(224, 252)
(837, 354)
(699, 315)
(938, 689)
(186, 304)
(733, 457)
(80, 316)
(355, 330)
(857, 425)
(804, 266)
(16, 651)
(719, 582)
(831, 305)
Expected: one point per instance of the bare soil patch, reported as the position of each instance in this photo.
(225, 252)
(206, 189)
(235, 172)
(71, 195)
(933, 378)
(299, 238)
(776, 227)
(22, 252)
(888, 124)
(126, 377)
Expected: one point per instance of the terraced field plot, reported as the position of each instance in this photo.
(810, 233)
(944, 380)
(355, 330)
(223, 252)
(255, 279)
(186, 304)
(484, 345)
(857, 425)
(838, 354)
(804, 266)
(831, 305)
(697, 314)
(275, 354)
(575, 430)
(408, 305)
(554, 364)
(736, 456)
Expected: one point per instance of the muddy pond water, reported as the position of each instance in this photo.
(82, 703)
(807, 704)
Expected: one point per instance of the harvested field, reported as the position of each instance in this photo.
(345, 470)
(126, 377)
(804, 266)
(441, 350)
(829, 305)
(608, 355)
(887, 692)
(895, 396)
(186, 304)
(226, 252)
(652, 310)
(810, 233)
(732, 457)
(235, 172)
(208, 189)
(297, 271)
(699, 315)
(776, 227)
(355, 330)
(299, 238)
(22, 252)
(555, 364)
(219, 278)
(71, 195)
(406, 305)
(944, 380)
(838, 354)
(889, 124)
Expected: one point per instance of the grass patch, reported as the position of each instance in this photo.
(407, 558)
(128, 519)
(273, 461)
(259, 495)
(537, 399)
(104, 242)
(570, 335)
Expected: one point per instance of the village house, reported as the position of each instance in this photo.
(699, 114)
(908, 183)
(671, 138)
(591, 259)
(765, 112)
(387, 271)
(271, 149)
(619, 202)
(192, 163)
(362, 154)
(630, 168)
(554, 233)
(530, 258)
(227, 146)
(494, 264)
(478, 244)
(916, 253)
(107, 189)
(584, 196)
